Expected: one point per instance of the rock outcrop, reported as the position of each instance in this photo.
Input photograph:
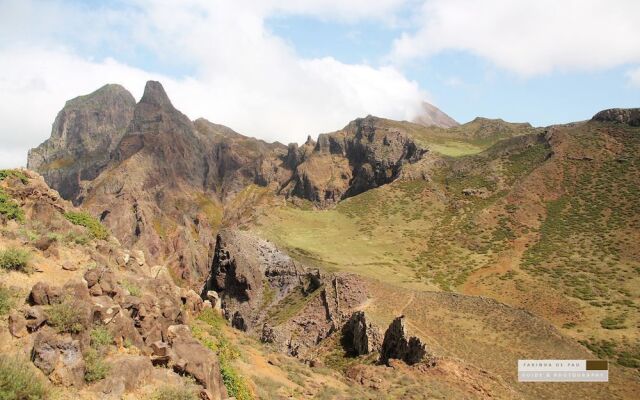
(366, 154)
(84, 134)
(397, 344)
(155, 178)
(266, 293)
(629, 116)
(360, 336)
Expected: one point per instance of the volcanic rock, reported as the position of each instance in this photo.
(397, 344)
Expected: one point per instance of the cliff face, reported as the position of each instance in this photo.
(83, 136)
(363, 155)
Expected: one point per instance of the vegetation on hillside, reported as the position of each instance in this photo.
(208, 329)
(16, 259)
(83, 218)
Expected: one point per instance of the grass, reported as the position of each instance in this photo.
(134, 290)
(82, 218)
(14, 173)
(210, 334)
(614, 322)
(19, 380)
(169, 392)
(15, 259)
(293, 303)
(7, 300)
(9, 208)
(100, 337)
(95, 366)
(64, 317)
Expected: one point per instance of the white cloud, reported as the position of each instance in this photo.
(245, 77)
(528, 37)
(634, 77)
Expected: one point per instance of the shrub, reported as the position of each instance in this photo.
(6, 300)
(4, 173)
(19, 381)
(613, 322)
(64, 317)
(100, 337)
(133, 289)
(95, 366)
(174, 393)
(96, 229)
(77, 238)
(227, 352)
(14, 259)
(9, 208)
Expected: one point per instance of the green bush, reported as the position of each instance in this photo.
(174, 393)
(5, 173)
(77, 238)
(95, 366)
(64, 317)
(14, 259)
(100, 337)
(96, 229)
(133, 289)
(227, 352)
(19, 381)
(613, 322)
(9, 208)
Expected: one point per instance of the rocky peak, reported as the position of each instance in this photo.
(431, 115)
(83, 135)
(629, 116)
(154, 94)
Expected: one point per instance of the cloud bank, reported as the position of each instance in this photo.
(528, 37)
(219, 60)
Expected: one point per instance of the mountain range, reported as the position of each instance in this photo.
(388, 259)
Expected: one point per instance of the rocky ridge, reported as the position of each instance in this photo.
(295, 308)
(136, 306)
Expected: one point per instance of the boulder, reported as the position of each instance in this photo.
(17, 324)
(40, 294)
(70, 266)
(60, 358)
(35, 317)
(126, 374)
(188, 356)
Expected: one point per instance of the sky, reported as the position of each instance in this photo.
(282, 70)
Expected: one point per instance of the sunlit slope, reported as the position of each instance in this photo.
(544, 221)
(470, 138)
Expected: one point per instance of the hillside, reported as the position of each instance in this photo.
(495, 240)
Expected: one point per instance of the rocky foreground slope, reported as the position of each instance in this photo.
(100, 322)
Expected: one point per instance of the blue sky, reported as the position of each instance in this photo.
(282, 70)
(464, 85)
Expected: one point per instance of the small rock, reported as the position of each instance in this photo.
(70, 266)
(17, 324)
(39, 294)
(43, 243)
(35, 318)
